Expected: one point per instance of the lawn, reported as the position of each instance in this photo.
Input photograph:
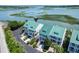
(61, 18)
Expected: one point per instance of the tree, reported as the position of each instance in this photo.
(67, 40)
(47, 44)
(15, 24)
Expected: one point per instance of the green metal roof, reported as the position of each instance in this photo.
(31, 25)
(57, 31)
(45, 30)
(75, 37)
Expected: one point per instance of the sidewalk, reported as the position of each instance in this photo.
(3, 45)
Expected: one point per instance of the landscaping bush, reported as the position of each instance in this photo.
(34, 45)
(13, 45)
(15, 24)
(32, 41)
(67, 40)
(47, 44)
(57, 48)
(25, 38)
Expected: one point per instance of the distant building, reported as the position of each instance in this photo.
(74, 42)
(31, 28)
(57, 34)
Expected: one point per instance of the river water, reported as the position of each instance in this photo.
(41, 10)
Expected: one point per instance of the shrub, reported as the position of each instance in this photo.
(32, 41)
(34, 45)
(67, 39)
(13, 45)
(15, 24)
(57, 48)
(47, 44)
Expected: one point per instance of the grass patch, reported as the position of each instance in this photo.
(62, 18)
(55, 17)
(21, 14)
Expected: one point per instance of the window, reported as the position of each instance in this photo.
(59, 38)
(31, 26)
(77, 51)
(53, 37)
(41, 38)
(72, 44)
(26, 28)
(58, 42)
(54, 41)
(23, 31)
(77, 38)
(44, 31)
(71, 49)
(41, 42)
(43, 35)
(26, 33)
(35, 34)
(30, 33)
(77, 46)
(56, 33)
(31, 30)
(29, 36)
(26, 24)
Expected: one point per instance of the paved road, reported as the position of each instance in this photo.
(28, 49)
(3, 46)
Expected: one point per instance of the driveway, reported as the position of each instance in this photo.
(28, 49)
(3, 45)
